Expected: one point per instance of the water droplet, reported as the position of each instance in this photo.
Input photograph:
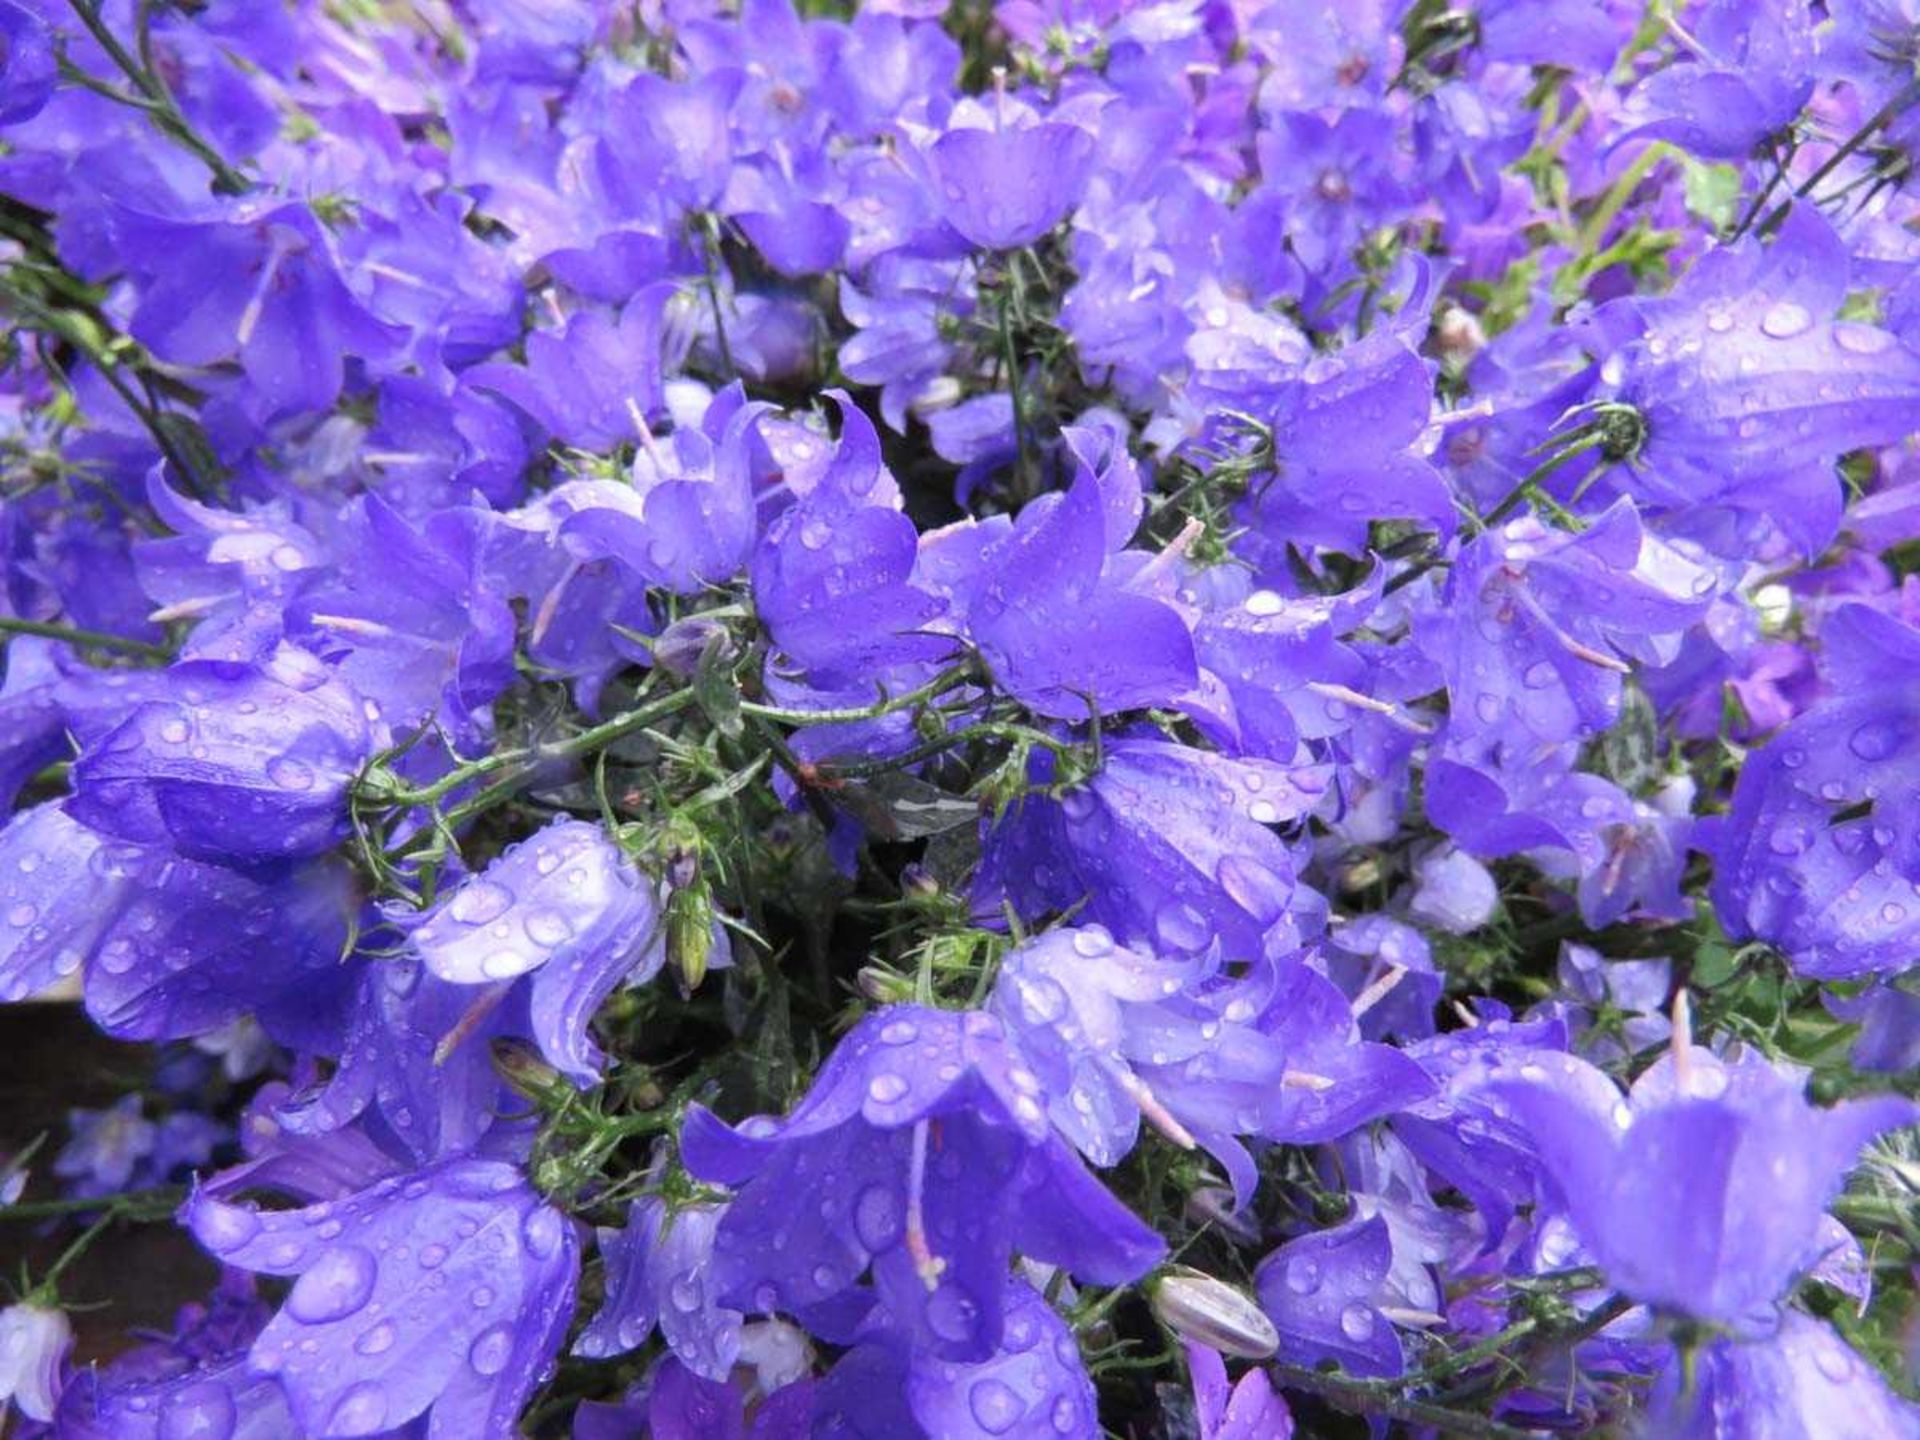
(1265, 602)
(1092, 942)
(1356, 1321)
(361, 1411)
(885, 1088)
(1180, 927)
(1303, 1274)
(491, 1351)
(226, 1227)
(951, 1315)
(290, 774)
(1789, 839)
(479, 901)
(202, 1411)
(543, 1231)
(548, 928)
(335, 1286)
(1862, 339)
(995, 1407)
(899, 1032)
(876, 1217)
(377, 1340)
(175, 732)
(684, 1293)
(1875, 740)
(1785, 320)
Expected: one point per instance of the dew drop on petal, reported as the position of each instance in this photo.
(336, 1285)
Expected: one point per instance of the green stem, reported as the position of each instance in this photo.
(1876, 122)
(1485, 1350)
(161, 107)
(89, 639)
(1359, 1397)
(1023, 463)
(1511, 501)
(153, 1204)
(711, 252)
(533, 756)
(1616, 198)
(939, 685)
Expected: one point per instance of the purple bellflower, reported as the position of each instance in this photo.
(923, 1153)
(447, 1291)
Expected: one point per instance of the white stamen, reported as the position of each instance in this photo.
(1329, 691)
(926, 1264)
(1378, 990)
(1157, 1114)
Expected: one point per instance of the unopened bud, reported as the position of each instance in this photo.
(690, 933)
(523, 1068)
(681, 647)
(1214, 1313)
(918, 883)
(883, 986)
(377, 785)
(1213, 1205)
(1458, 336)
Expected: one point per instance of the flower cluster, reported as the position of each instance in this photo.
(831, 722)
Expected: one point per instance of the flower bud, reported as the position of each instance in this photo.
(34, 1342)
(681, 647)
(883, 987)
(690, 933)
(522, 1067)
(1214, 1313)
(1213, 1205)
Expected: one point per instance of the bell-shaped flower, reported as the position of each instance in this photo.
(446, 1290)
(1055, 620)
(1749, 390)
(1802, 1382)
(922, 1153)
(1741, 77)
(235, 767)
(659, 1269)
(1346, 434)
(832, 575)
(1166, 846)
(1819, 855)
(1540, 624)
(596, 382)
(1033, 1386)
(264, 288)
(1090, 1014)
(1249, 1410)
(1002, 176)
(1702, 1191)
(28, 68)
(1324, 1293)
(34, 1341)
(688, 518)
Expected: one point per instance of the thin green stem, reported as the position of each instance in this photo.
(530, 757)
(1875, 123)
(1010, 354)
(159, 105)
(1359, 1397)
(907, 700)
(1617, 196)
(87, 639)
(153, 1204)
